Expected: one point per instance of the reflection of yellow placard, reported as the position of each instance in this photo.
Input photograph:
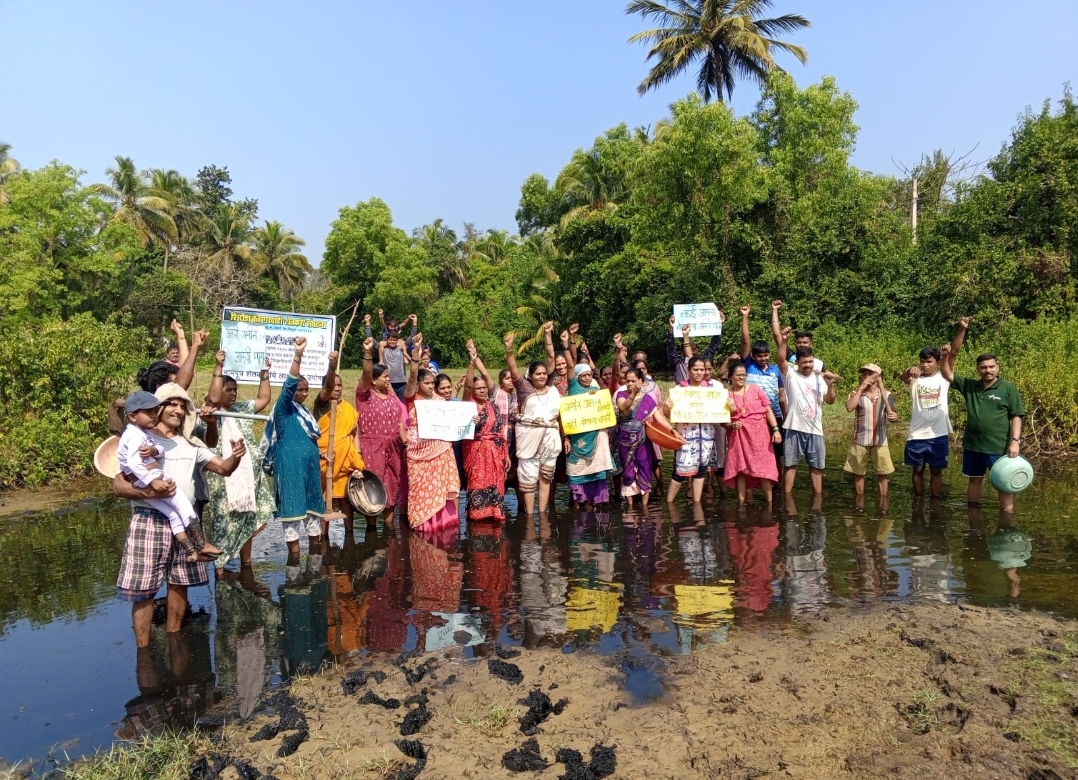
(587, 412)
(703, 599)
(586, 608)
(699, 405)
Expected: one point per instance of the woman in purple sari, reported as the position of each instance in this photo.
(635, 407)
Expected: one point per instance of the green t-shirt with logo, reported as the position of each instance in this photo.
(989, 411)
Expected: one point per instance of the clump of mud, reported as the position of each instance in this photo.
(414, 750)
(505, 671)
(526, 758)
(289, 718)
(417, 718)
(540, 708)
(604, 761)
(353, 681)
(505, 653)
(370, 697)
(414, 674)
(210, 768)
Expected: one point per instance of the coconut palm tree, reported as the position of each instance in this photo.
(276, 255)
(726, 37)
(225, 237)
(540, 303)
(183, 208)
(588, 184)
(137, 204)
(445, 252)
(492, 247)
(8, 166)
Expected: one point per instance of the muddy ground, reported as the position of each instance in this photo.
(928, 691)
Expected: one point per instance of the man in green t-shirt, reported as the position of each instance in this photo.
(994, 415)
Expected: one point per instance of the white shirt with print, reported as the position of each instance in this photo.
(930, 417)
(804, 395)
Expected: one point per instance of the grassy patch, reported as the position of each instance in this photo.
(383, 765)
(1046, 682)
(490, 721)
(163, 757)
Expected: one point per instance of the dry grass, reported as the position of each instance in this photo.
(490, 721)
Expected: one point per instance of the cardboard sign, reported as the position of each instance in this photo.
(703, 599)
(446, 420)
(587, 607)
(587, 412)
(702, 318)
(249, 336)
(699, 405)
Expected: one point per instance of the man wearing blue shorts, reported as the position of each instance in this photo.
(994, 415)
(927, 443)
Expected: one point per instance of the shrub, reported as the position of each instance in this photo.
(56, 381)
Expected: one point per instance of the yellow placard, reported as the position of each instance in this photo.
(703, 599)
(699, 405)
(586, 608)
(587, 412)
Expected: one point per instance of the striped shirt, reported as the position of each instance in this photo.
(870, 421)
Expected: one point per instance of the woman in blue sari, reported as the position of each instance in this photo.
(588, 463)
(290, 445)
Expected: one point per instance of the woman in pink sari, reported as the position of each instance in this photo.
(381, 426)
(433, 480)
(750, 460)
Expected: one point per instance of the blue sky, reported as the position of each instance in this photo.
(442, 109)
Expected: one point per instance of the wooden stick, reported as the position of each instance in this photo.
(333, 417)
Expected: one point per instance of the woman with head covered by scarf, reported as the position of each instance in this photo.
(588, 461)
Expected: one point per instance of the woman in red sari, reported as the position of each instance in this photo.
(381, 426)
(751, 432)
(485, 460)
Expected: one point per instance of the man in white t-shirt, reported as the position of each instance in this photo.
(803, 338)
(807, 390)
(930, 421)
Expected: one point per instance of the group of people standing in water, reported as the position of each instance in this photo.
(775, 410)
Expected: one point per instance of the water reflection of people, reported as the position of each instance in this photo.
(543, 586)
(175, 682)
(437, 576)
(805, 583)
(247, 634)
(304, 597)
(929, 552)
(872, 577)
(1010, 548)
(752, 542)
(488, 577)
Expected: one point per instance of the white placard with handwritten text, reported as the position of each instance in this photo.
(703, 318)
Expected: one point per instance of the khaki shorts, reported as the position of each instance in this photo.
(859, 458)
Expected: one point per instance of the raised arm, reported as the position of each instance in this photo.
(947, 368)
(225, 466)
(217, 382)
(186, 375)
(181, 339)
(548, 344)
(854, 398)
(367, 332)
(776, 329)
(830, 379)
(415, 330)
(413, 366)
(327, 384)
(262, 400)
(746, 338)
(572, 333)
(469, 375)
(585, 353)
(510, 358)
(783, 338)
(672, 356)
(368, 362)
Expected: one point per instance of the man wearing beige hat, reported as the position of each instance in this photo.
(873, 408)
(152, 557)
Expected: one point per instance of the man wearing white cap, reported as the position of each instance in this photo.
(152, 556)
(873, 408)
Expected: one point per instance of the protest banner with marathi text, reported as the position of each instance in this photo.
(587, 412)
(446, 420)
(249, 336)
(699, 405)
(702, 318)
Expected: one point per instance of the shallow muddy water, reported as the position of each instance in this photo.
(637, 586)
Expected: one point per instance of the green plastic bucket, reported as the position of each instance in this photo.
(1011, 475)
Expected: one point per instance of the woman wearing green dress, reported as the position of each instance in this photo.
(239, 506)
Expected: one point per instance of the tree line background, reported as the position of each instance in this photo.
(704, 205)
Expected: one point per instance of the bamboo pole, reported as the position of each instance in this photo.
(330, 514)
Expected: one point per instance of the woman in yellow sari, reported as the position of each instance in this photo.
(346, 457)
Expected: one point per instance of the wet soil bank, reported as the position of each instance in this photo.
(928, 691)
